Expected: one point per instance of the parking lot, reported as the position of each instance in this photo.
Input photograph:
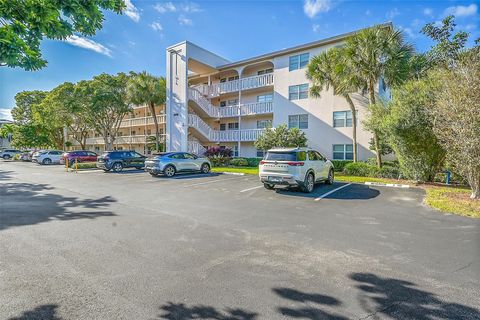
(95, 245)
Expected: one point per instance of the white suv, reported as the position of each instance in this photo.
(47, 156)
(295, 167)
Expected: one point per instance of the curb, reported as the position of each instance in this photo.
(233, 173)
(391, 185)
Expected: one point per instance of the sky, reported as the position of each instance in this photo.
(235, 30)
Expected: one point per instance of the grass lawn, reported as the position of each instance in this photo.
(246, 170)
(452, 200)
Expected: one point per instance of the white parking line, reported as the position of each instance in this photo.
(207, 182)
(245, 190)
(332, 191)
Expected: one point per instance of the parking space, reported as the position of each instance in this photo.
(128, 245)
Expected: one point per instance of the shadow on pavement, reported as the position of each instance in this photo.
(28, 204)
(179, 311)
(43, 312)
(352, 192)
(5, 175)
(308, 305)
(399, 299)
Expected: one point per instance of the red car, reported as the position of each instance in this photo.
(80, 156)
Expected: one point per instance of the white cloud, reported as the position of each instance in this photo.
(428, 12)
(131, 11)
(190, 7)
(165, 7)
(6, 114)
(315, 27)
(461, 11)
(184, 21)
(89, 45)
(368, 12)
(417, 23)
(314, 7)
(392, 13)
(156, 26)
(409, 32)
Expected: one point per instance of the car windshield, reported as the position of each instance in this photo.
(281, 156)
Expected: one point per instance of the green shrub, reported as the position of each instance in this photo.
(239, 162)
(388, 172)
(339, 165)
(16, 157)
(360, 169)
(219, 161)
(253, 162)
(84, 165)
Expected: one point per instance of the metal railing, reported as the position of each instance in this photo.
(196, 148)
(216, 89)
(141, 121)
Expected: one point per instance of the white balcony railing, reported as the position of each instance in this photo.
(141, 121)
(229, 111)
(137, 139)
(217, 89)
(222, 136)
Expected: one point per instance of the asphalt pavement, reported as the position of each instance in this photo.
(95, 245)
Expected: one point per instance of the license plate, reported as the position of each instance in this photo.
(275, 179)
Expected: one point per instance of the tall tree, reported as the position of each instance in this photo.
(23, 24)
(107, 104)
(144, 88)
(281, 136)
(457, 117)
(24, 101)
(330, 69)
(376, 54)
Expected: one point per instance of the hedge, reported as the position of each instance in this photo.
(362, 169)
(339, 165)
(239, 162)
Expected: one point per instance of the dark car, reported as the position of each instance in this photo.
(79, 156)
(117, 160)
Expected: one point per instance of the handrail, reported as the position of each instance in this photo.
(216, 89)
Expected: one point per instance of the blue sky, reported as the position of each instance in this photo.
(235, 30)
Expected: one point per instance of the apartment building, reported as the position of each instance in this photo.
(214, 102)
(133, 134)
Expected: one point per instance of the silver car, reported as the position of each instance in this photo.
(295, 167)
(171, 163)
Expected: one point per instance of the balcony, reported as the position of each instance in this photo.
(203, 128)
(137, 139)
(229, 111)
(141, 121)
(254, 82)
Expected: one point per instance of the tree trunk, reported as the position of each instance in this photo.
(354, 127)
(474, 182)
(371, 91)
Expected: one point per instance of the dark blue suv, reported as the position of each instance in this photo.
(117, 160)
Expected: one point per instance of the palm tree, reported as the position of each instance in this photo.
(144, 88)
(378, 53)
(330, 69)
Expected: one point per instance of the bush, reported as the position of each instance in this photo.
(388, 172)
(253, 162)
(360, 169)
(219, 161)
(83, 165)
(218, 152)
(239, 162)
(16, 157)
(339, 165)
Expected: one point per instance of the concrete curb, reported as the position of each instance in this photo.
(232, 173)
(391, 185)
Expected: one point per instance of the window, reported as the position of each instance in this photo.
(235, 150)
(233, 126)
(299, 121)
(298, 62)
(343, 152)
(232, 78)
(229, 103)
(223, 126)
(342, 119)
(260, 72)
(312, 156)
(223, 104)
(260, 153)
(265, 97)
(149, 131)
(298, 92)
(177, 156)
(263, 124)
(190, 156)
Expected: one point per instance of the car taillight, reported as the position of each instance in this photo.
(295, 163)
(263, 162)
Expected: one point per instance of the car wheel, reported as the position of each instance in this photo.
(268, 186)
(169, 171)
(330, 178)
(47, 161)
(205, 168)
(6, 157)
(309, 183)
(117, 167)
